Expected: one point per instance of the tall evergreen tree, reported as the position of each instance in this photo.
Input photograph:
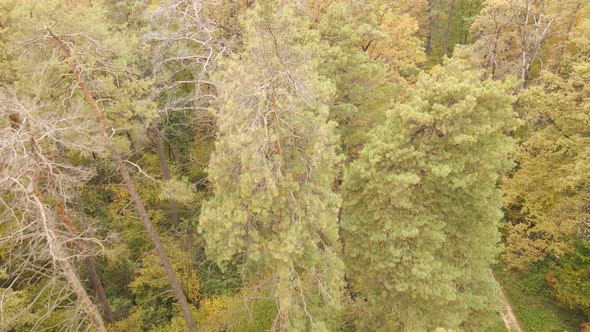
(273, 169)
(421, 204)
(362, 88)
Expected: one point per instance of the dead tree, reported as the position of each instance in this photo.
(536, 24)
(185, 42)
(33, 181)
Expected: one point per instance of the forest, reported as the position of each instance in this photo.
(295, 165)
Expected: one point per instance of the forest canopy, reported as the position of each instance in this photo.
(294, 165)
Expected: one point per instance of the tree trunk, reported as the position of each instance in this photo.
(428, 48)
(524, 71)
(96, 284)
(525, 62)
(85, 303)
(449, 24)
(64, 263)
(94, 279)
(495, 53)
(347, 282)
(172, 205)
(164, 260)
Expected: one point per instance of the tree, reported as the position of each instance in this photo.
(512, 35)
(495, 38)
(363, 88)
(273, 169)
(548, 193)
(185, 52)
(397, 43)
(124, 171)
(421, 205)
(372, 53)
(449, 23)
(83, 54)
(33, 186)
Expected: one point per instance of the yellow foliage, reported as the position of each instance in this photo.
(154, 4)
(189, 280)
(151, 278)
(120, 199)
(400, 47)
(548, 193)
(133, 323)
(211, 314)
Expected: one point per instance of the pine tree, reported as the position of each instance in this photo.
(421, 204)
(273, 169)
(363, 91)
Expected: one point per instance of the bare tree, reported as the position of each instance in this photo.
(33, 181)
(512, 35)
(185, 43)
(89, 265)
(535, 26)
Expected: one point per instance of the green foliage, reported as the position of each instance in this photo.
(421, 204)
(217, 281)
(363, 91)
(253, 101)
(14, 305)
(497, 326)
(452, 25)
(531, 298)
(178, 190)
(151, 287)
(570, 279)
(236, 313)
(274, 166)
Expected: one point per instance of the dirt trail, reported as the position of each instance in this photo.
(508, 317)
